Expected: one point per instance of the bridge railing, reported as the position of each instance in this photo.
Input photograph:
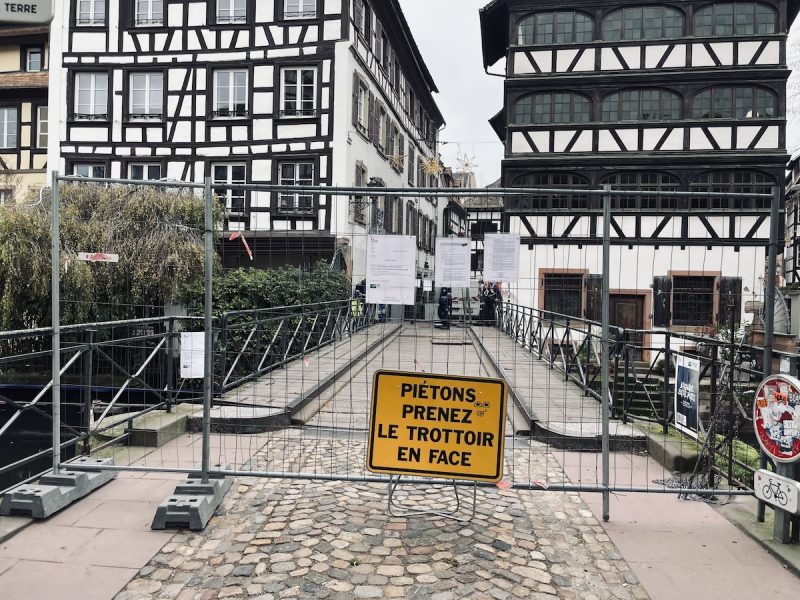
(115, 372)
(642, 384)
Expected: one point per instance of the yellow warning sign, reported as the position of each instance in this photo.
(437, 426)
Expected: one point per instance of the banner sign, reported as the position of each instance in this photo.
(501, 257)
(687, 395)
(391, 269)
(437, 426)
(28, 12)
(776, 417)
(452, 262)
(778, 491)
(193, 355)
(98, 257)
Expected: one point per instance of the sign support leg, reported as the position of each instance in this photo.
(396, 509)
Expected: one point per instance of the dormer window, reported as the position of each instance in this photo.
(231, 11)
(563, 27)
(735, 18)
(33, 60)
(648, 23)
(149, 13)
(300, 9)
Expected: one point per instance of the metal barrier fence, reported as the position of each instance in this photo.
(286, 390)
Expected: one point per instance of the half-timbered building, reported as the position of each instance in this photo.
(293, 92)
(23, 110)
(684, 95)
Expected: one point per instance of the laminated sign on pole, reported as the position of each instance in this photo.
(437, 426)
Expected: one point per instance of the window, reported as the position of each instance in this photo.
(8, 127)
(41, 126)
(149, 12)
(693, 300)
(90, 12)
(552, 179)
(383, 129)
(735, 18)
(361, 105)
(222, 174)
(299, 9)
(412, 160)
(230, 93)
(146, 97)
(649, 23)
(296, 173)
(144, 171)
(563, 294)
(93, 170)
(91, 96)
(558, 107)
(740, 182)
(741, 102)
(231, 11)
(363, 20)
(298, 92)
(563, 27)
(643, 180)
(33, 60)
(642, 105)
(6, 195)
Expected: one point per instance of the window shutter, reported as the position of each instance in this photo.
(372, 129)
(730, 297)
(401, 150)
(662, 293)
(356, 89)
(358, 11)
(411, 159)
(378, 37)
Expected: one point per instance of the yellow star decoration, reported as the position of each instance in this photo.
(432, 166)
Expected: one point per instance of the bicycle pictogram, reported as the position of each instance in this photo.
(773, 489)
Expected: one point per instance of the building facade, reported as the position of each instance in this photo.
(23, 111)
(642, 95)
(294, 92)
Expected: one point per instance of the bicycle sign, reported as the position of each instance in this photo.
(780, 492)
(776, 417)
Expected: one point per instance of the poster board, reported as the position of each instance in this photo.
(193, 355)
(428, 425)
(452, 263)
(687, 395)
(391, 269)
(501, 252)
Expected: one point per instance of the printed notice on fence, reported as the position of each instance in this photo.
(452, 262)
(391, 269)
(437, 426)
(501, 257)
(687, 394)
(193, 354)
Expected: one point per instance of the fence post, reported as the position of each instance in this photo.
(665, 389)
(769, 324)
(55, 318)
(626, 402)
(170, 362)
(606, 346)
(713, 410)
(86, 386)
(208, 323)
(223, 351)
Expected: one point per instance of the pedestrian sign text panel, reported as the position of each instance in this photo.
(437, 426)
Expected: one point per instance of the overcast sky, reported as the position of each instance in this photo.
(449, 37)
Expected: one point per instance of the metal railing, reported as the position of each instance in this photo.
(642, 375)
(134, 364)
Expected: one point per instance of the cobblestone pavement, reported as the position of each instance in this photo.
(302, 539)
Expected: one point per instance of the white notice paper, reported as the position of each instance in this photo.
(501, 257)
(391, 269)
(193, 355)
(427, 285)
(452, 262)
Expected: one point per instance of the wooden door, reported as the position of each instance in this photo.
(627, 311)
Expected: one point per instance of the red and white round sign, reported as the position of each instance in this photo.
(776, 417)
